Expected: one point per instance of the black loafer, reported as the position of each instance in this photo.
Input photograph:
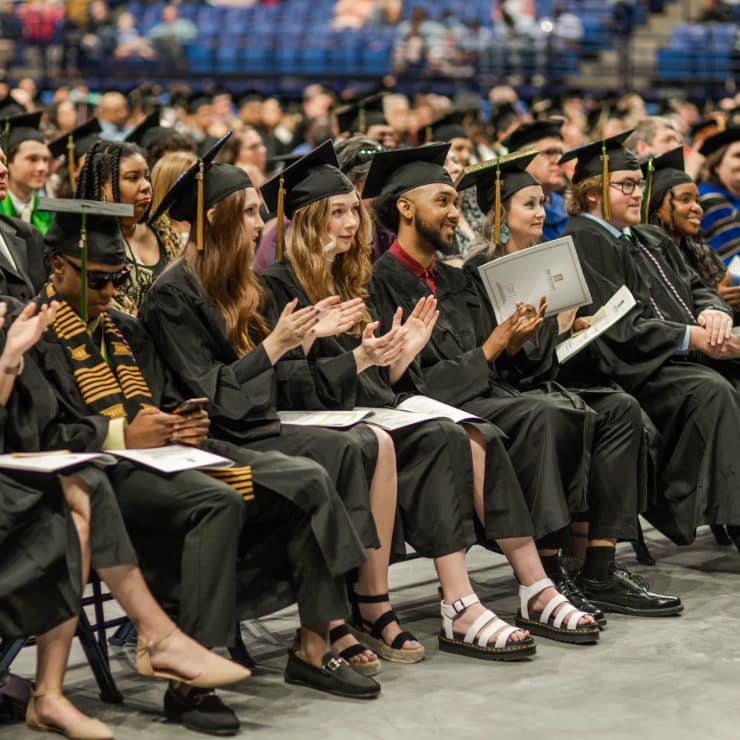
(567, 586)
(200, 710)
(625, 592)
(335, 677)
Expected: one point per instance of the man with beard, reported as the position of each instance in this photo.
(549, 434)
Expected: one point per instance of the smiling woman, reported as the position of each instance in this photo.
(118, 172)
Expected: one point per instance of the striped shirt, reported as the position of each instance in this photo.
(721, 220)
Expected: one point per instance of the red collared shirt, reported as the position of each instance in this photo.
(427, 274)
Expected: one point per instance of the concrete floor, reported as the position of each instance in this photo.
(666, 678)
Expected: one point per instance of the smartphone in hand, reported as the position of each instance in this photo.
(191, 406)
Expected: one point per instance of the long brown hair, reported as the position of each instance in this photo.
(348, 274)
(224, 269)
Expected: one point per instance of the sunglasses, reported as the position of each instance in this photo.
(98, 280)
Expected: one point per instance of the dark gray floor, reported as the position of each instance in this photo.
(667, 678)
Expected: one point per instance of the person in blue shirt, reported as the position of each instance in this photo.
(545, 136)
(719, 194)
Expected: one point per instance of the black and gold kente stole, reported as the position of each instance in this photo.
(111, 382)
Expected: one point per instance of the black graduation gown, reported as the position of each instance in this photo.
(318, 533)
(435, 475)
(620, 446)
(547, 439)
(695, 410)
(190, 335)
(39, 549)
(23, 279)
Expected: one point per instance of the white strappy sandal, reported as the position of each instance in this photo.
(563, 626)
(474, 643)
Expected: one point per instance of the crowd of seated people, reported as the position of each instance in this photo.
(278, 257)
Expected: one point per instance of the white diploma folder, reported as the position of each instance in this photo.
(550, 269)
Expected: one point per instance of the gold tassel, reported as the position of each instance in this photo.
(200, 177)
(605, 210)
(280, 223)
(428, 135)
(71, 163)
(648, 191)
(497, 209)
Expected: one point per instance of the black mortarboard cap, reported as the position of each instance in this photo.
(397, 171)
(707, 126)
(449, 126)
(148, 131)
(88, 230)
(18, 129)
(510, 170)
(527, 133)
(199, 99)
(599, 158)
(589, 157)
(250, 96)
(10, 107)
(502, 116)
(79, 140)
(496, 181)
(357, 117)
(282, 159)
(662, 173)
(717, 141)
(76, 144)
(313, 177)
(200, 187)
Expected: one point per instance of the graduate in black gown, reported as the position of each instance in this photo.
(547, 440)
(55, 528)
(620, 443)
(173, 519)
(650, 352)
(433, 459)
(208, 316)
(22, 269)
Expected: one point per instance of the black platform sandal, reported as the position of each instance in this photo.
(364, 668)
(371, 633)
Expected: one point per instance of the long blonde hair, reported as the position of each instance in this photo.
(224, 269)
(166, 171)
(348, 274)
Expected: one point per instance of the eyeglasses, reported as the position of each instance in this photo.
(552, 153)
(629, 186)
(98, 280)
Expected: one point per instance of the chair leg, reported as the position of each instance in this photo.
(9, 649)
(124, 635)
(642, 551)
(239, 653)
(98, 662)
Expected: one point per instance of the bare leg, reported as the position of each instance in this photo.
(521, 552)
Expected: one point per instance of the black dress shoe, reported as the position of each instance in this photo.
(565, 585)
(625, 592)
(200, 710)
(335, 677)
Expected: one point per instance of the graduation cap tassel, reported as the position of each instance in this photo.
(648, 194)
(497, 209)
(200, 177)
(71, 164)
(606, 211)
(428, 135)
(83, 265)
(280, 223)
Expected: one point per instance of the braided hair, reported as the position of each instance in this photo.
(102, 165)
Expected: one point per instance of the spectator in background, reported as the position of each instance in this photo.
(653, 136)
(129, 43)
(252, 155)
(99, 40)
(113, 113)
(352, 13)
(40, 19)
(715, 11)
(11, 35)
(169, 36)
(62, 115)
